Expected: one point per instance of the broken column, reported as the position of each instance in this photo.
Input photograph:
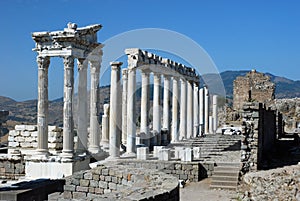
(115, 108)
(175, 104)
(105, 127)
(42, 116)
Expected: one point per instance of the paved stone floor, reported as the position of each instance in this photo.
(200, 191)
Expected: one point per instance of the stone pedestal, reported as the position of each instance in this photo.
(142, 153)
(164, 155)
(156, 150)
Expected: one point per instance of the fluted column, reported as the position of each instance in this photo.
(190, 110)
(156, 108)
(42, 113)
(115, 108)
(131, 109)
(94, 110)
(183, 111)
(196, 110)
(166, 104)
(82, 119)
(124, 106)
(206, 111)
(68, 122)
(201, 111)
(145, 105)
(215, 113)
(175, 104)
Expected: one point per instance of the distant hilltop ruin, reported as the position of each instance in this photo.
(253, 87)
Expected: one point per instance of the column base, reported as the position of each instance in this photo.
(67, 156)
(129, 155)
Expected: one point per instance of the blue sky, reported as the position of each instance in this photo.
(237, 35)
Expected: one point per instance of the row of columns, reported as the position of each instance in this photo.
(68, 122)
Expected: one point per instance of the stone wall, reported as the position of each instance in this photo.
(123, 182)
(12, 167)
(25, 137)
(188, 171)
(259, 136)
(254, 86)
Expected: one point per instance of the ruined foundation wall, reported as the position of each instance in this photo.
(259, 136)
(123, 182)
(11, 167)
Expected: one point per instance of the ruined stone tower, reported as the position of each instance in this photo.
(254, 86)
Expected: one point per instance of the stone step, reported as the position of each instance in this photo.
(227, 169)
(228, 164)
(227, 173)
(223, 187)
(224, 183)
(225, 178)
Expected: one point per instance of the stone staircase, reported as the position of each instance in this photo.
(225, 176)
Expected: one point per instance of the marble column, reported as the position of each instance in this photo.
(190, 109)
(196, 110)
(94, 138)
(115, 107)
(201, 111)
(206, 111)
(145, 106)
(105, 127)
(124, 107)
(42, 113)
(156, 108)
(215, 113)
(131, 112)
(175, 104)
(68, 122)
(166, 104)
(183, 109)
(211, 121)
(82, 119)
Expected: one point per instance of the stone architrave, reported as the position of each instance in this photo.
(68, 122)
(145, 106)
(82, 118)
(124, 106)
(115, 107)
(183, 109)
(42, 116)
(166, 103)
(215, 113)
(206, 111)
(157, 108)
(175, 112)
(190, 110)
(196, 110)
(94, 138)
(201, 111)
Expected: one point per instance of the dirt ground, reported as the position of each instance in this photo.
(201, 191)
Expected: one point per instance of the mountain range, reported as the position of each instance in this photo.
(25, 111)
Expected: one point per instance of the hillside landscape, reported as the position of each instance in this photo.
(24, 112)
